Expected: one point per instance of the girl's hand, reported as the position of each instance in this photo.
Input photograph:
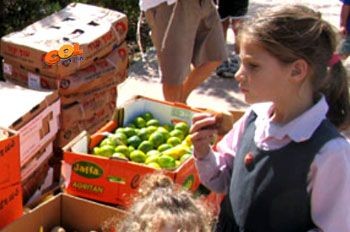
(343, 31)
(203, 129)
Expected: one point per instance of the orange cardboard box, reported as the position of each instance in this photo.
(109, 70)
(10, 204)
(95, 30)
(115, 181)
(214, 201)
(9, 159)
(10, 177)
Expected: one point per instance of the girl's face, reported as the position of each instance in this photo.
(261, 76)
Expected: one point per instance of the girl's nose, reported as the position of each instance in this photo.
(239, 74)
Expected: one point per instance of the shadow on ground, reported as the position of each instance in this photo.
(223, 88)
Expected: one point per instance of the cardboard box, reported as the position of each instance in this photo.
(72, 213)
(110, 70)
(10, 188)
(33, 182)
(34, 114)
(9, 159)
(213, 200)
(47, 188)
(115, 181)
(88, 111)
(38, 159)
(96, 30)
(92, 124)
(10, 203)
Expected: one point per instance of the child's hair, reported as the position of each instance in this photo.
(162, 204)
(297, 32)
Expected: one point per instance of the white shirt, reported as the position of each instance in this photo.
(147, 4)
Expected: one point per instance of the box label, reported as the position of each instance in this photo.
(87, 169)
(188, 182)
(33, 81)
(85, 187)
(7, 68)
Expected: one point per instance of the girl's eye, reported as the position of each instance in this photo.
(252, 66)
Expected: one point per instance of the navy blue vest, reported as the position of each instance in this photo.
(268, 192)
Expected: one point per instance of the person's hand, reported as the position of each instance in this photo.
(343, 31)
(203, 129)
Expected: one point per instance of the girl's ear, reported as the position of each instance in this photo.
(299, 70)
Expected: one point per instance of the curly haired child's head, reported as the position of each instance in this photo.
(163, 206)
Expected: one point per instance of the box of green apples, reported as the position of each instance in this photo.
(145, 135)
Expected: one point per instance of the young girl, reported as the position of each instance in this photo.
(164, 207)
(283, 165)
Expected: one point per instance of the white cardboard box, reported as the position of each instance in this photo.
(42, 155)
(34, 114)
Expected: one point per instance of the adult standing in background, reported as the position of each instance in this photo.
(231, 14)
(344, 50)
(189, 40)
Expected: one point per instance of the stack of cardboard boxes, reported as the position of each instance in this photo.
(79, 51)
(34, 115)
(69, 65)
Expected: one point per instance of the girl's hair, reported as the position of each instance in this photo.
(160, 204)
(297, 32)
